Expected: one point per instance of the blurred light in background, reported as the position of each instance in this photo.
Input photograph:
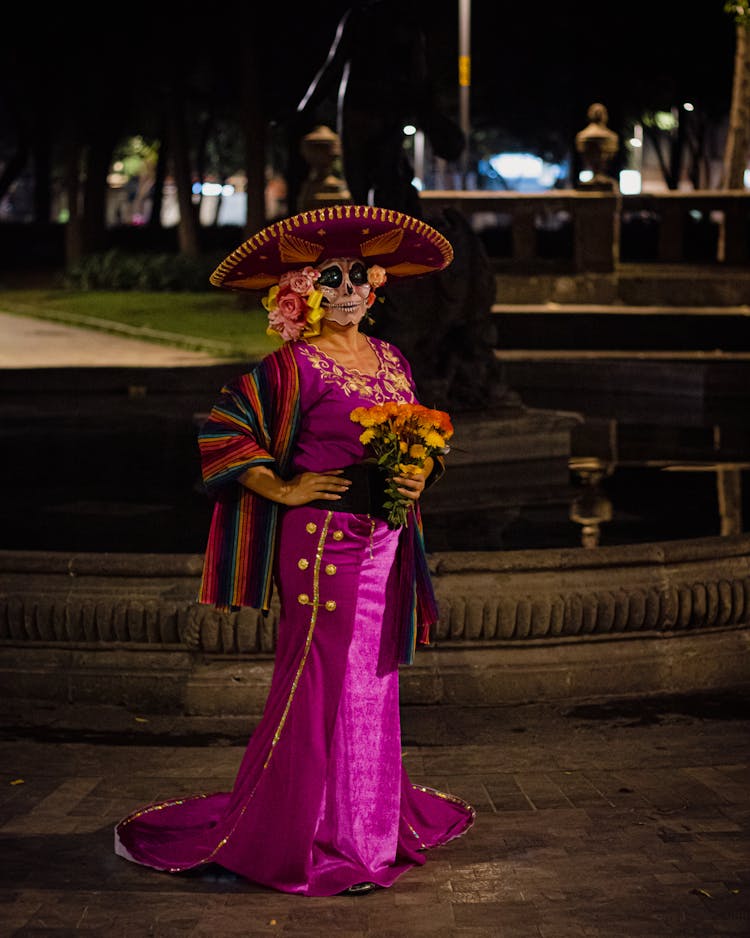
(630, 182)
(521, 172)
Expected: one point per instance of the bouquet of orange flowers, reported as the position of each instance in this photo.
(402, 437)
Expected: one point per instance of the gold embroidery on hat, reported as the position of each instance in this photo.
(385, 243)
(294, 250)
(407, 269)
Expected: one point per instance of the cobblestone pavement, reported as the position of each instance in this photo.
(624, 819)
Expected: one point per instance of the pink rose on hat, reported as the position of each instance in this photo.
(300, 281)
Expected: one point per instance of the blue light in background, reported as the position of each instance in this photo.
(520, 172)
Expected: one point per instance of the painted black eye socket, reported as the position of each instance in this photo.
(330, 277)
(358, 274)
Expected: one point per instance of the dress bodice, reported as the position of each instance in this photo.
(327, 438)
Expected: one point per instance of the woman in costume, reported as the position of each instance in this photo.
(321, 804)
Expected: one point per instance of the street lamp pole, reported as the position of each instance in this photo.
(464, 78)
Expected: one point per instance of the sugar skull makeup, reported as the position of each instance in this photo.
(345, 288)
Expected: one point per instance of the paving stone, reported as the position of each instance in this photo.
(602, 827)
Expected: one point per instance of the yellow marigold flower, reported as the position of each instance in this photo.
(356, 414)
(367, 436)
(409, 469)
(417, 451)
(403, 446)
(433, 439)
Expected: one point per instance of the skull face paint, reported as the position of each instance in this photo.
(343, 282)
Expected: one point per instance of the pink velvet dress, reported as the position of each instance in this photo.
(321, 800)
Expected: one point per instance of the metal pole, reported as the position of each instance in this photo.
(419, 156)
(464, 78)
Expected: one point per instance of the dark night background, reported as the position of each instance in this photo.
(535, 66)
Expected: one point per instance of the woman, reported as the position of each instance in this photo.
(321, 803)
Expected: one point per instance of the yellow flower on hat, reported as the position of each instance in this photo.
(269, 300)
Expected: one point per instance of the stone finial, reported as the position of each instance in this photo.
(321, 148)
(597, 144)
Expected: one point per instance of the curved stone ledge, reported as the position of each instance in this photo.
(483, 596)
(515, 625)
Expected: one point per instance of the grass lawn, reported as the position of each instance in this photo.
(210, 322)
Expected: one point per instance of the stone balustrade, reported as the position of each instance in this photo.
(597, 220)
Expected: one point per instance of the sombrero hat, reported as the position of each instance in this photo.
(403, 245)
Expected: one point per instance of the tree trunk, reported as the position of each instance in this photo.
(16, 163)
(187, 229)
(42, 175)
(12, 168)
(201, 150)
(74, 228)
(665, 164)
(254, 134)
(98, 161)
(738, 134)
(160, 177)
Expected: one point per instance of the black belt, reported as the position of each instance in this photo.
(365, 495)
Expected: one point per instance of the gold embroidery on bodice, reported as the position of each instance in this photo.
(388, 384)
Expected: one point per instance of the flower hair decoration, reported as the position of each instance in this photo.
(294, 304)
(376, 277)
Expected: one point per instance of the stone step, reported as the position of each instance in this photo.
(621, 327)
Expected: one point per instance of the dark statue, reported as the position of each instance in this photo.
(377, 70)
(443, 324)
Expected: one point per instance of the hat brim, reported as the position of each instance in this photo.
(403, 245)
